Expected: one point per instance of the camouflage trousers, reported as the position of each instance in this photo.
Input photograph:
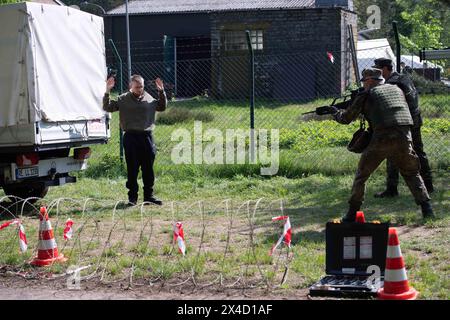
(395, 144)
(425, 170)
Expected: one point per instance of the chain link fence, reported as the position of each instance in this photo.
(214, 91)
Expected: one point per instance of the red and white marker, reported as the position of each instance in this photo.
(287, 233)
(23, 244)
(178, 236)
(68, 231)
(330, 57)
(7, 224)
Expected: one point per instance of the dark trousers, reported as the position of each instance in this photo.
(425, 170)
(140, 152)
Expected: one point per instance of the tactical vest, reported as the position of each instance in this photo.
(387, 107)
(405, 83)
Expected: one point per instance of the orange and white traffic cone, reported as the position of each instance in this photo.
(47, 248)
(396, 285)
(360, 217)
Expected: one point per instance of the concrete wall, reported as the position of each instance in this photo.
(294, 65)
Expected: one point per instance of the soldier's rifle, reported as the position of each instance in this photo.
(344, 104)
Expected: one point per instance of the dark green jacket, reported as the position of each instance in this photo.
(136, 114)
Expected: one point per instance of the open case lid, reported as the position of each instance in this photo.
(352, 247)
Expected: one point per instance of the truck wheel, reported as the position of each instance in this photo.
(24, 192)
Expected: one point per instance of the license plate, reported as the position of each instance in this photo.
(27, 172)
(96, 128)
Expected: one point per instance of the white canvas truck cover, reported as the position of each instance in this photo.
(52, 64)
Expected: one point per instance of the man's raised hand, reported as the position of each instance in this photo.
(110, 84)
(159, 84)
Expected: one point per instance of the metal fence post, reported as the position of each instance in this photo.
(116, 54)
(354, 56)
(175, 66)
(397, 45)
(252, 98)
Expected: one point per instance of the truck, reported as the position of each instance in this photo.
(52, 81)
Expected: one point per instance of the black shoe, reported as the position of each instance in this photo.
(388, 193)
(348, 218)
(427, 210)
(131, 203)
(351, 214)
(154, 200)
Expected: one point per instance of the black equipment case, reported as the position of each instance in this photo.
(351, 248)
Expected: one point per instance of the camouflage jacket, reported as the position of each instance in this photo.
(383, 106)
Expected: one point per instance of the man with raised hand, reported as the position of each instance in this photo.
(137, 109)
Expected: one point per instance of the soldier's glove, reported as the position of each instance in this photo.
(326, 110)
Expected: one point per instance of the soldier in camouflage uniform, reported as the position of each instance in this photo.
(404, 82)
(385, 108)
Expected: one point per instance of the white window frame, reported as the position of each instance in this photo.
(236, 40)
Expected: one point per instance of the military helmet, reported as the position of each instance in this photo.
(382, 62)
(372, 73)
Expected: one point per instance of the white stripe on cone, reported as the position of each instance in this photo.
(45, 226)
(395, 275)
(286, 228)
(47, 244)
(394, 252)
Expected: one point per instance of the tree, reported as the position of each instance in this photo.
(8, 1)
(421, 23)
(426, 27)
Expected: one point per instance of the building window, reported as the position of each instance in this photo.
(237, 40)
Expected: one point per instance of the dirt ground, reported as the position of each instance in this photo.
(16, 288)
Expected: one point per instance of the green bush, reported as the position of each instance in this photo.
(436, 126)
(314, 135)
(426, 86)
(178, 115)
(204, 116)
(174, 115)
(435, 105)
(107, 166)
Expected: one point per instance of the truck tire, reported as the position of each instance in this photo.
(25, 191)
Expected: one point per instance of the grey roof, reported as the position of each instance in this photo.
(185, 6)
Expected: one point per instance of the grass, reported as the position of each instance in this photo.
(308, 144)
(309, 201)
(314, 181)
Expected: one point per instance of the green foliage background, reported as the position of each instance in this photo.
(422, 23)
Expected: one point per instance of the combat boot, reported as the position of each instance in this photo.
(427, 210)
(351, 214)
(152, 199)
(388, 193)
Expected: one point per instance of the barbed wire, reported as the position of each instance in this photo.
(103, 248)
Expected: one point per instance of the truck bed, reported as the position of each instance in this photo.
(52, 135)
